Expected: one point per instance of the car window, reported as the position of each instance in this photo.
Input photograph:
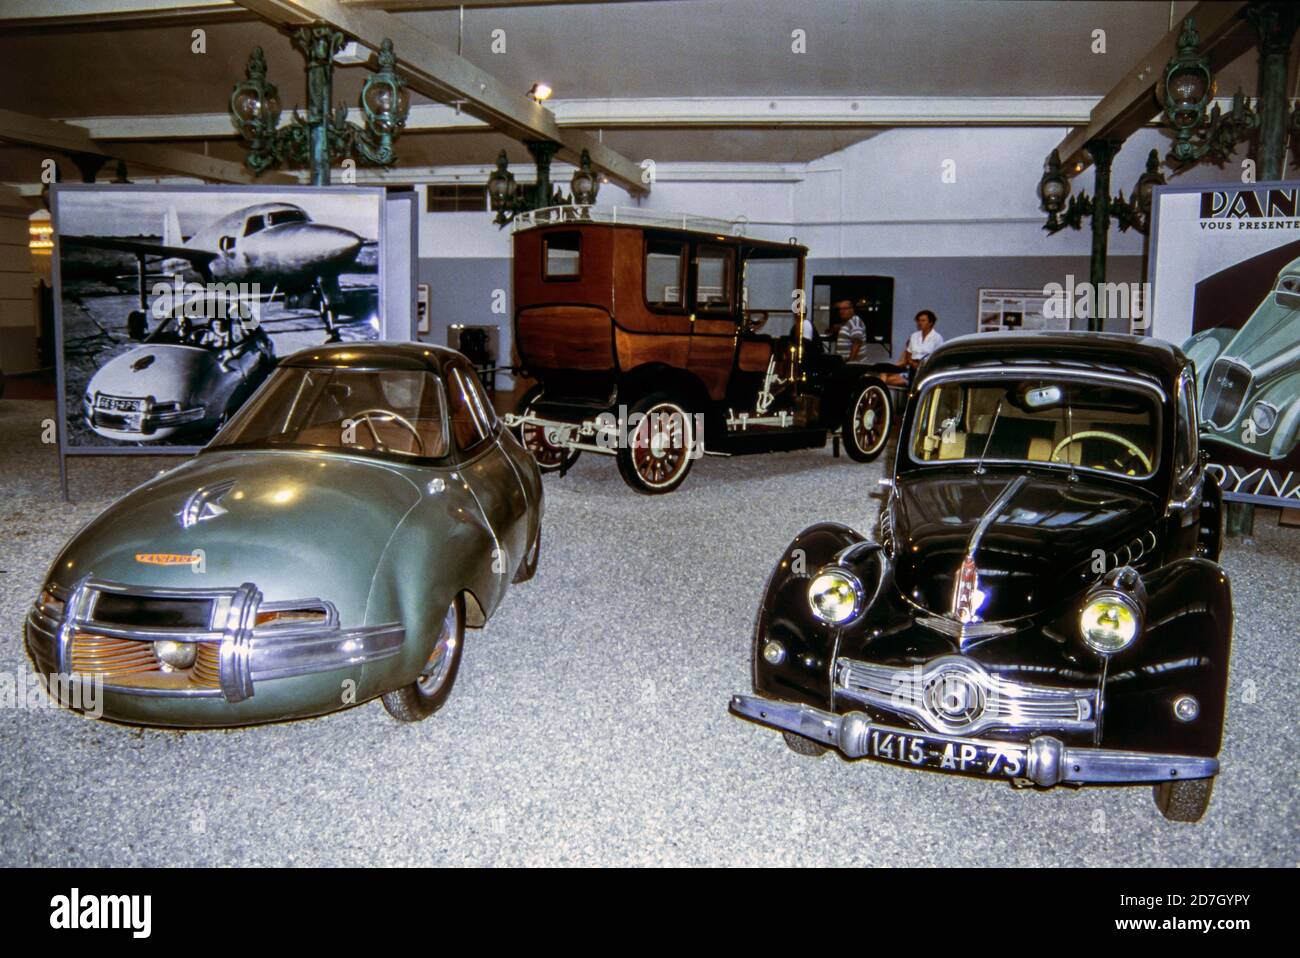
(1088, 425)
(769, 285)
(470, 414)
(390, 413)
(664, 260)
(562, 255)
(713, 272)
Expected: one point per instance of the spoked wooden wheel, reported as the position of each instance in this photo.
(658, 454)
(867, 420)
(542, 442)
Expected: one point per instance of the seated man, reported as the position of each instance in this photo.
(919, 346)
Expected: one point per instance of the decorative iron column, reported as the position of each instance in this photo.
(319, 43)
(1275, 26)
(1102, 153)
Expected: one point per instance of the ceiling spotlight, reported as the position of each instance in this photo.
(539, 92)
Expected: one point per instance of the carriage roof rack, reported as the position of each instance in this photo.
(633, 216)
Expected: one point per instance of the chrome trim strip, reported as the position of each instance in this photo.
(1017, 372)
(1049, 761)
(284, 656)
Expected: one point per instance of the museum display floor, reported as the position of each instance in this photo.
(589, 722)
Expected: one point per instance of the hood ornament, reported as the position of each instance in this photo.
(968, 598)
(204, 504)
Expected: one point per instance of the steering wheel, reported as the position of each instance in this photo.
(386, 415)
(1098, 434)
(755, 319)
(208, 336)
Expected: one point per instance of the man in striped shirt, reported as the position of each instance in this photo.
(851, 334)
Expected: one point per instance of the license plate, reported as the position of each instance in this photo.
(956, 755)
(113, 404)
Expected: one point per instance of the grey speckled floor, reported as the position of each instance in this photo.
(589, 724)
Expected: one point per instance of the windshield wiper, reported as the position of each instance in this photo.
(979, 466)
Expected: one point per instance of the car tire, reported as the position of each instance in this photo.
(1185, 800)
(804, 746)
(659, 465)
(868, 418)
(430, 691)
(548, 456)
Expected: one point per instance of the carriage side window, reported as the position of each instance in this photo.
(562, 255)
(664, 263)
(713, 273)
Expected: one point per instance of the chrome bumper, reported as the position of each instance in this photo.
(1046, 760)
(144, 422)
(247, 654)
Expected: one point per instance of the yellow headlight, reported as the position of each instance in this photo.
(835, 596)
(1109, 624)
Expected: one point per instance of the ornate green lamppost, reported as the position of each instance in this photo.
(1065, 210)
(324, 134)
(509, 198)
(1186, 91)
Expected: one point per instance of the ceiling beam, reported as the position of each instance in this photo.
(660, 113)
(1131, 104)
(152, 13)
(69, 139)
(440, 74)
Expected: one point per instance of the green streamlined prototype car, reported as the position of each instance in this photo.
(329, 546)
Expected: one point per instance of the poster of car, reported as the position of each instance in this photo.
(1225, 277)
(174, 303)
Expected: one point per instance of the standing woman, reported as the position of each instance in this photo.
(920, 345)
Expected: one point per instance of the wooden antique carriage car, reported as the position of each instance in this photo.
(655, 340)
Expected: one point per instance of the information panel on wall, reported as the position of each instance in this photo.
(1225, 277)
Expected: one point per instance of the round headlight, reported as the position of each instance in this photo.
(175, 656)
(1110, 623)
(1264, 416)
(835, 596)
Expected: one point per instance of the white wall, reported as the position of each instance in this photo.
(883, 196)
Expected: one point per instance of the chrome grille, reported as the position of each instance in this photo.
(133, 660)
(956, 695)
(1225, 390)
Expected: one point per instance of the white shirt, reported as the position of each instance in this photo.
(920, 347)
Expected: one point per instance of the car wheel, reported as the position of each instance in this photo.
(1185, 800)
(868, 416)
(431, 689)
(658, 453)
(804, 746)
(540, 441)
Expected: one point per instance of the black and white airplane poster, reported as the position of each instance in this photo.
(174, 303)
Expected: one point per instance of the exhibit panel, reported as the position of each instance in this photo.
(653, 433)
(1225, 273)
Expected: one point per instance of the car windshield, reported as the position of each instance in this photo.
(1065, 422)
(397, 412)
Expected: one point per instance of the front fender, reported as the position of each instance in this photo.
(804, 674)
(1183, 650)
(440, 549)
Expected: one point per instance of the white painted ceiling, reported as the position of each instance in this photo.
(652, 48)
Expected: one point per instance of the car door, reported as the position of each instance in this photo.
(768, 355)
(491, 478)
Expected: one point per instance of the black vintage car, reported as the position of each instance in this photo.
(1042, 602)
